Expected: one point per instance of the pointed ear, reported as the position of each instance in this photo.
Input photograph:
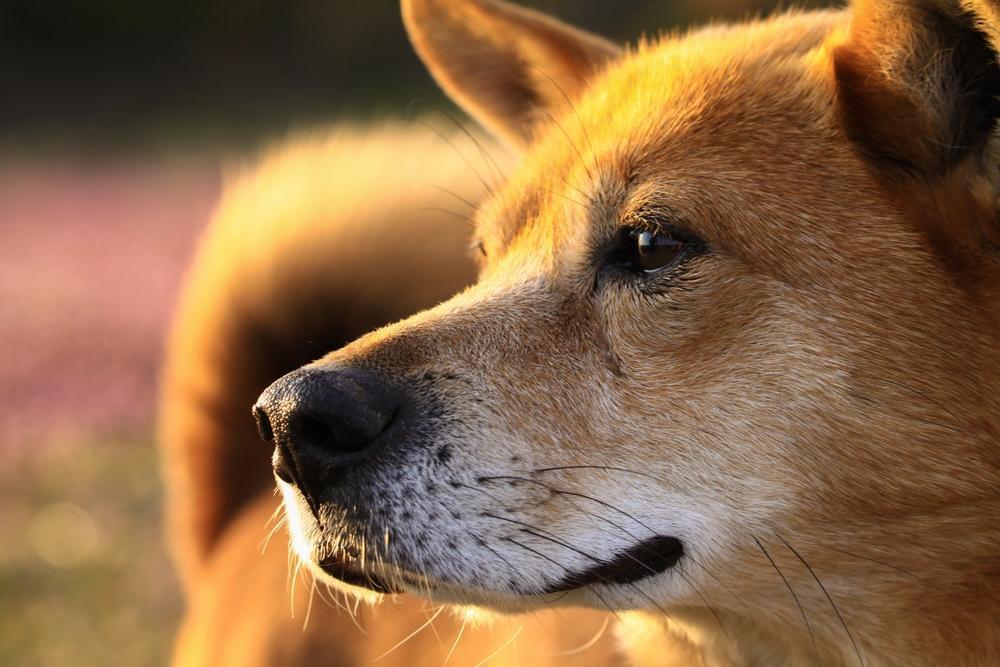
(918, 82)
(506, 66)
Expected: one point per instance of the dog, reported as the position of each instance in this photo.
(286, 270)
(730, 366)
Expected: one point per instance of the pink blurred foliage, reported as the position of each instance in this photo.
(91, 257)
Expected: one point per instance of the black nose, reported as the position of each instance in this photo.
(322, 422)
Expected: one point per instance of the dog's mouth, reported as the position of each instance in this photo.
(348, 571)
(648, 558)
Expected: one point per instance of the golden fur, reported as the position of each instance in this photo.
(810, 405)
(289, 267)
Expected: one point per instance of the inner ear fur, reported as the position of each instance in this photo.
(919, 83)
(509, 67)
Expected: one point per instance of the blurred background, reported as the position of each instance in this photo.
(117, 119)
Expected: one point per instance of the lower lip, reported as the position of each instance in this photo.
(345, 572)
(646, 559)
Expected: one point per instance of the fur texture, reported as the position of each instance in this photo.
(327, 237)
(809, 404)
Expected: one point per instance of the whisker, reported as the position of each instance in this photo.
(588, 197)
(795, 597)
(686, 555)
(583, 162)
(411, 635)
(330, 599)
(566, 493)
(462, 155)
(589, 643)
(485, 154)
(565, 196)
(558, 597)
(597, 467)
(572, 106)
(828, 598)
(454, 194)
(482, 543)
(295, 578)
(600, 597)
(479, 490)
(277, 510)
(919, 420)
(718, 580)
(890, 566)
(309, 605)
(434, 630)
(709, 607)
(461, 631)
(605, 580)
(274, 529)
(502, 647)
(436, 209)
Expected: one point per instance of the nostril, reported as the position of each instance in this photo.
(333, 435)
(263, 424)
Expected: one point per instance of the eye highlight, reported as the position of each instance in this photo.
(653, 251)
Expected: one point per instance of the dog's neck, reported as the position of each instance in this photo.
(903, 613)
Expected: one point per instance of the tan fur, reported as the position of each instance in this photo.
(243, 612)
(810, 406)
(326, 238)
(276, 283)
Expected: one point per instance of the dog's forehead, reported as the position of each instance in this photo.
(675, 119)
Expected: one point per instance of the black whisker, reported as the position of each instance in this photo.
(560, 597)
(532, 531)
(540, 533)
(795, 597)
(597, 467)
(890, 566)
(919, 420)
(565, 569)
(566, 493)
(718, 580)
(483, 491)
(828, 598)
(482, 543)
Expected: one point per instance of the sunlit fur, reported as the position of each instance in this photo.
(320, 240)
(811, 406)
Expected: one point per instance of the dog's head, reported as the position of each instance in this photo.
(734, 334)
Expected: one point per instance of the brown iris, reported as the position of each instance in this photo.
(654, 251)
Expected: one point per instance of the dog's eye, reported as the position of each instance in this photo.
(654, 251)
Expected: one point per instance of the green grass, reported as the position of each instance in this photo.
(84, 576)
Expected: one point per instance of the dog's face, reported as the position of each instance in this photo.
(718, 345)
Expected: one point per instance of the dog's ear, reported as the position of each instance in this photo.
(508, 67)
(918, 82)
